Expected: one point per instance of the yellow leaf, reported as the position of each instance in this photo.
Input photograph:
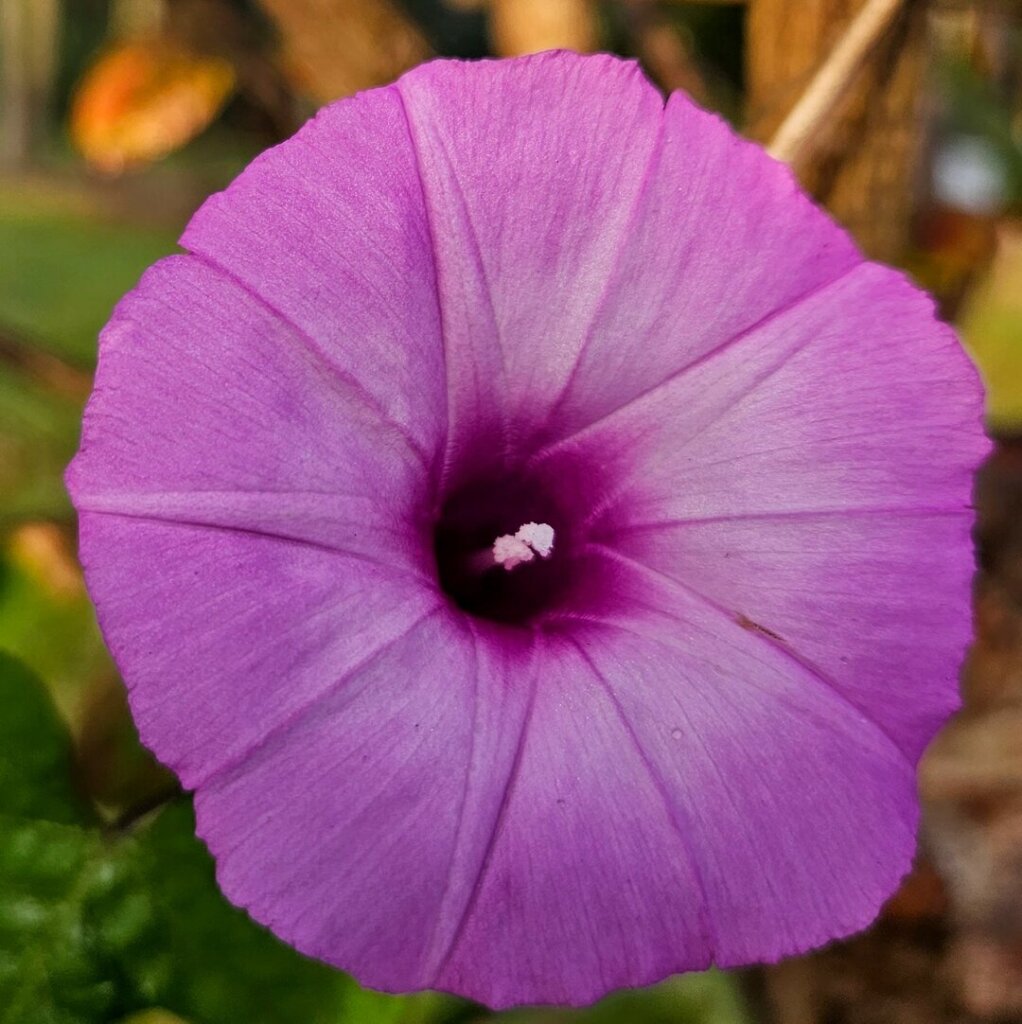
(992, 329)
(142, 100)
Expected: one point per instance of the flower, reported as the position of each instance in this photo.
(522, 312)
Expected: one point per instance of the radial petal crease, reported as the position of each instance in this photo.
(436, 973)
(225, 772)
(761, 633)
(670, 806)
(680, 374)
(316, 350)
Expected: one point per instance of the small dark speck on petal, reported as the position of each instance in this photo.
(754, 627)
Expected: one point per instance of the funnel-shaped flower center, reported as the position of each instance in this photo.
(495, 548)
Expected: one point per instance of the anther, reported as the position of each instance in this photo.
(531, 539)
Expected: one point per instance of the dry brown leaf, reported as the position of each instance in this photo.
(334, 48)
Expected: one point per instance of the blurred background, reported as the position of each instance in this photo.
(117, 118)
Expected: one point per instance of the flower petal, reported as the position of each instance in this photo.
(839, 402)
(687, 791)
(223, 636)
(801, 810)
(815, 476)
(591, 883)
(329, 229)
(705, 758)
(877, 602)
(358, 832)
(722, 238)
(209, 410)
(531, 169)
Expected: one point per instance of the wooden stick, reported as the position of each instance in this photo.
(830, 83)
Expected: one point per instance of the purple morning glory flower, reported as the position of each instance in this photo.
(536, 534)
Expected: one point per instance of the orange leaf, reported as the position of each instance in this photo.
(142, 100)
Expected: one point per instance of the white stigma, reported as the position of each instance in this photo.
(531, 539)
(539, 537)
(510, 552)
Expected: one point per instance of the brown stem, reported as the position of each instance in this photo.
(794, 137)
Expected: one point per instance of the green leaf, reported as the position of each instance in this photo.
(711, 997)
(53, 633)
(95, 927)
(48, 858)
(153, 1017)
(35, 751)
(176, 943)
(48, 972)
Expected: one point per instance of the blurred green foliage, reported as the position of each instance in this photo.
(36, 779)
(38, 435)
(976, 108)
(53, 631)
(991, 326)
(71, 267)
